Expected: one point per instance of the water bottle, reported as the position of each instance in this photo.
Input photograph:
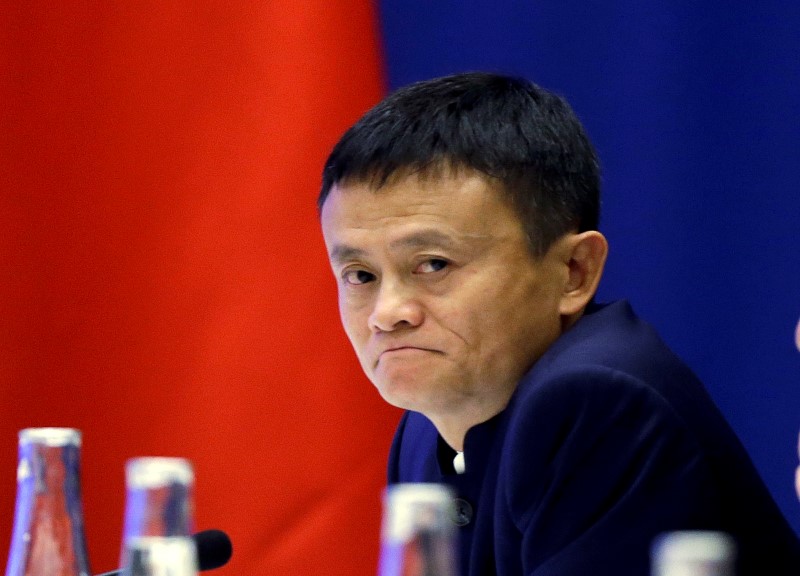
(48, 535)
(694, 553)
(418, 535)
(159, 518)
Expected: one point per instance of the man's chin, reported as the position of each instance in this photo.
(411, 396)
(405, 395)
(399, 400)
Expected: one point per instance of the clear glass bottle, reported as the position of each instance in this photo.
(159, 518)
(418, 536)
(48, 535)
(694, 553)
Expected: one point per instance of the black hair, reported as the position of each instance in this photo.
(525, 139)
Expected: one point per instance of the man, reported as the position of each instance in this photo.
(460, 218)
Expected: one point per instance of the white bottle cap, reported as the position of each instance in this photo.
(694, 553)
(409, 508)
(51, 436)
(152, 472)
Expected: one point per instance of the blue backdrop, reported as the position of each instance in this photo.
(694, 108)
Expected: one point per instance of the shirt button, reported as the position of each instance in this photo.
(462, 513)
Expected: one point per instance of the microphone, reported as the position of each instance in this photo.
(214, 549)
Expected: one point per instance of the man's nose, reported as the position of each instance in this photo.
(396, 306)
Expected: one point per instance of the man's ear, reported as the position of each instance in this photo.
(585, 257)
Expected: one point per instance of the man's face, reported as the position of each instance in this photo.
(438, 291)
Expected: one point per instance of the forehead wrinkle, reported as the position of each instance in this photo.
(422, 238)
(434, 238)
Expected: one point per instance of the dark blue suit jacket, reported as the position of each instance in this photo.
(608, 441)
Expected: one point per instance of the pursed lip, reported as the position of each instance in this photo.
(401, 347)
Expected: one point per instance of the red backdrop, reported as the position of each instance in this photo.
(165, 287)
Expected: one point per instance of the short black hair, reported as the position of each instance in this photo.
(522, 137)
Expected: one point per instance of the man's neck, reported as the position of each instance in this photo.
(453, 428)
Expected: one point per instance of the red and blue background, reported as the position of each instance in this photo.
(164, 284)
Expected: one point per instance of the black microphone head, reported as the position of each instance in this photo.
(214, 549)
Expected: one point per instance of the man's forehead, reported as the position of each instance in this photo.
(438, 171)
(408, 209)
(415, 212)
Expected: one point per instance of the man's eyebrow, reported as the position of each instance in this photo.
(421, 239)
(342, 253)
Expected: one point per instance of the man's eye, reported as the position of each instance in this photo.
(432, 265)
(357, 277)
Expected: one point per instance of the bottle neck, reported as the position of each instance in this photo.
(48, 535)
(164, 511)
